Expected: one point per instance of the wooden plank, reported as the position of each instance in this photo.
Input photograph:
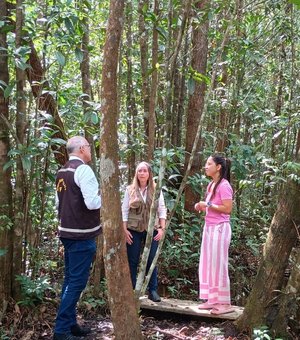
(188, 308)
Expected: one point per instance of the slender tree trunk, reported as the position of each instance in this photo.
(87, 88)
(153, 92)
(121, 298)
(46, 102)
(196, 100)
(239, 71)
(143, 34)
(98, 268)
(277, 142)
(19, 217)
(182, 93)
(262, 304)
(131, 103)
(6, 223)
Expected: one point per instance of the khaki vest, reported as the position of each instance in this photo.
(138, 217)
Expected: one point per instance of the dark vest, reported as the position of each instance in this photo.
(76, 220)
(138, 217)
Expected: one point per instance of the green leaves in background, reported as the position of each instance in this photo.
(295, 2)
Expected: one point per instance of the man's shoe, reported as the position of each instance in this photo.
(57, 336)
(154, 296)
(80, 331)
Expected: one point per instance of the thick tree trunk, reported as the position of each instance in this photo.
(196, 100)
(288, 307)
(262, 305)
(121, 298)
(5, 181)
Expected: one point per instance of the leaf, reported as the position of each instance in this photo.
(95, 119)
(87, 4)
(277, 134)
(3, 252)
(21, 64)
(191, 86)
(2, 84)
(60, 58)
(69, 25)
(26, 162)
(58, 141)
(79, 54)
(8, 164)
(162, 32)
(8, 90)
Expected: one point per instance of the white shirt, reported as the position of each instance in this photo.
(86, 180)
(161, 210)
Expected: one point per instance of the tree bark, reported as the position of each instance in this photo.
(87, 87)
(20, 186)
(153, 91)
(288, 308)
(143, 34)
(130, 100)
(196, 100)
(5, 180)
(262, 304)
(121, 298)
(46, 102)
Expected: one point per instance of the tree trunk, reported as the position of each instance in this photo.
(6, 258)
(121, 298)
(20, 186)
(46, 102)
(131, 103)
(143, 34)
(86, 86)
(196, 100)
(154, 84)
(262, 304)
(288, 308)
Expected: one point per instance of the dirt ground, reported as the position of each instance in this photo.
(37, 323)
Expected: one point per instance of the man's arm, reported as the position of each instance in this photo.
(85, 178)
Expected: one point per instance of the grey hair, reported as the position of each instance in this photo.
(74, 143)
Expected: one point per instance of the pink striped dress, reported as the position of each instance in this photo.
(213, 264)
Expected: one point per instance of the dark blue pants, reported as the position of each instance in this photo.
(78, 259)
(134, 251)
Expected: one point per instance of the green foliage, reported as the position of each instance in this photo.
(33, 290)
(295, 2)
(263, 333)
(3, 252)
(6, 222)
(180, 256)
(3, 335)
(95, 301)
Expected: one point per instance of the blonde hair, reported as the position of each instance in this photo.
(135, 185)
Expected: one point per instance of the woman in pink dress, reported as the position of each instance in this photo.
(213, 265)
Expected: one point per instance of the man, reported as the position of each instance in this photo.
(79, 205)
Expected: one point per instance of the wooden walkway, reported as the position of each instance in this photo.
(187, 308)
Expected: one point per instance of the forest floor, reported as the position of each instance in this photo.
(37, 324)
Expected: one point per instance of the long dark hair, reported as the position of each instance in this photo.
(225, 169)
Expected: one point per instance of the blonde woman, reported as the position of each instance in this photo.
(135, 213)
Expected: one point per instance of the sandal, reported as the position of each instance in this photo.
(222, 309)
(206, 305)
